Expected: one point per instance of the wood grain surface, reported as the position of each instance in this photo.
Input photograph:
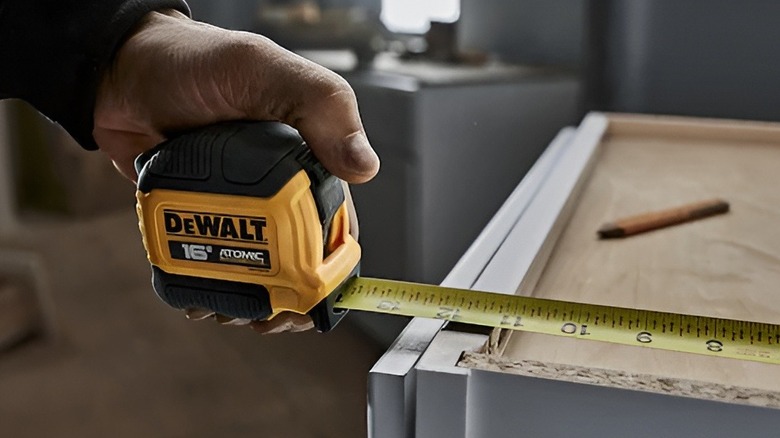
(725, 266)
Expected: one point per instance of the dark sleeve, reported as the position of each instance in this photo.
(53, 53)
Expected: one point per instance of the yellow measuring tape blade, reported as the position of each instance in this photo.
(667, 331)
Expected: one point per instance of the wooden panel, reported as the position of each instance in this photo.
(726, 266)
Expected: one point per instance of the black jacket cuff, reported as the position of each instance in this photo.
(53, 53)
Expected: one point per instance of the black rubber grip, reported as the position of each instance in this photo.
(229, 298)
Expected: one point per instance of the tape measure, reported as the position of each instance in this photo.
(239, 218)
(661, 330)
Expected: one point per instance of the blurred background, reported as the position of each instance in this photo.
(458, 97)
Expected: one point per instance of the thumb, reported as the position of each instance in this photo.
(331, 126)
(322, 106)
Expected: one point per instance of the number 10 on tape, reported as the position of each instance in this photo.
(662, 330)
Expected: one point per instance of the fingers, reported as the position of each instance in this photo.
(284, 322)
(226, 320)
(340, 145)
(221, 75)
(123, 147)
(198, 314)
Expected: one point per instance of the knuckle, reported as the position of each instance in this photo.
(337, 91)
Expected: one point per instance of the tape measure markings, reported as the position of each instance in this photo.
(646, 328)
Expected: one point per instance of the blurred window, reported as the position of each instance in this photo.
(415, 16)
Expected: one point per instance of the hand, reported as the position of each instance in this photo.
(173, 74)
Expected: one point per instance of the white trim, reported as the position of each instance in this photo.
(476, 258)
(393, 386)
(442, 386)
(391, 381)
(524, 247)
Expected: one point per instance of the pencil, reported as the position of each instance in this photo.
(664, 218)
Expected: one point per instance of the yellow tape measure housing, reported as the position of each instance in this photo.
(667, 331)
(241, 219)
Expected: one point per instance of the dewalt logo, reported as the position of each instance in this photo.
(225, 227)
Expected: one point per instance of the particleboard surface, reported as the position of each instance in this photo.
(726, 266)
